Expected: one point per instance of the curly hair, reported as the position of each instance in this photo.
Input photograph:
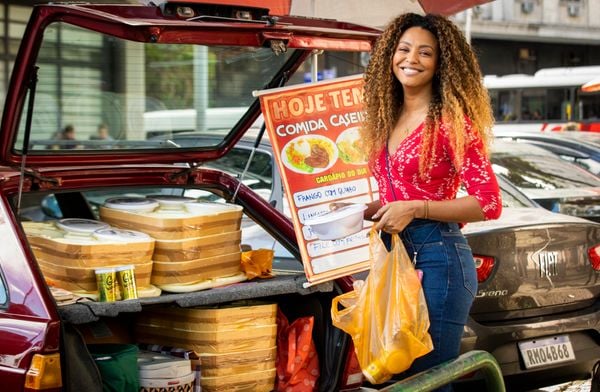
(458, 91)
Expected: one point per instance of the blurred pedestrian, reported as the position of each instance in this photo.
(102, 133)
(67, 134)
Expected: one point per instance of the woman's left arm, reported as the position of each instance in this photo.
(479, 180)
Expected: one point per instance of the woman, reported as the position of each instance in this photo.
(427, 129)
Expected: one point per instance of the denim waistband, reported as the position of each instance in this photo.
(418, 222)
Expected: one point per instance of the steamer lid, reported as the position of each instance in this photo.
(136, 204)
(121, 235)
(81, 226)
(210, 208)
(171, 201)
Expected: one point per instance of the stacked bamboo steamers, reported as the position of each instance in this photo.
(235, 344)
(194, 241)
(69, 251)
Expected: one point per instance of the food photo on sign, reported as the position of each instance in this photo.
(314, 132)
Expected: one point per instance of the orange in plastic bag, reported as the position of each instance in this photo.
(297, 359)
(386, 315)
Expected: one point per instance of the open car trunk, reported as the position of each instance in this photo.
(86, 322)
(97, 93)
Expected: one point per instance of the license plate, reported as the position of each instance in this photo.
(546, 351)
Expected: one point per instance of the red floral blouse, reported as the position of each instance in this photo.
(444, 180)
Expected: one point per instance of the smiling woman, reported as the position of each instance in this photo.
(107, 64)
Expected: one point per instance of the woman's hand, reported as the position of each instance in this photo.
(395, 216)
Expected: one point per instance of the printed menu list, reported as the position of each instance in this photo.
(313, 129)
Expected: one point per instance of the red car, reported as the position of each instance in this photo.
(96, 70)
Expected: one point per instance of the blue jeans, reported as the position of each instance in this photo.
(449, 283)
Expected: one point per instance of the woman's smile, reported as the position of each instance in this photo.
(416, 57)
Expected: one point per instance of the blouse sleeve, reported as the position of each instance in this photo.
(478, 177)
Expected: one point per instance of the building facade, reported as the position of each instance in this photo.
(509, 36)
(522, 36)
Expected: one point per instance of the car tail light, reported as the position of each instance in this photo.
(44, 373)
(594, 255)
(484, 265)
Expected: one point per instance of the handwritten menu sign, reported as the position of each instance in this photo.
(313, 129)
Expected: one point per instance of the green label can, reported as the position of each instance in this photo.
(126, 276)
(107, 284)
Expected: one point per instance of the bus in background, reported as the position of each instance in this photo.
(549, 100)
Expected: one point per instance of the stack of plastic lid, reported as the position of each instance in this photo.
(70, 250)
(195, 241)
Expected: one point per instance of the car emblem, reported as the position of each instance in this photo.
(548, 264)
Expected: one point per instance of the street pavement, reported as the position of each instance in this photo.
(572, 386)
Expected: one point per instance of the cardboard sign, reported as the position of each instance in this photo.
(313, 129)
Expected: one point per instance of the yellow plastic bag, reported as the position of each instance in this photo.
(386, 315)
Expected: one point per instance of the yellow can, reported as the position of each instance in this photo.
(126, 276)
(106, 280)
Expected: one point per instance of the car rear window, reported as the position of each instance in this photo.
(99, 92)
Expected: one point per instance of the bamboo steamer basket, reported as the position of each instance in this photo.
(194, 271)
(219, 341)
(197, 248)
(188, 220)
(246, 326)
(51, 243)
(235, 315)
(259, 381)
(69, 250)
(214, 365)
(83, 279)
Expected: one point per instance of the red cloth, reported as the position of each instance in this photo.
(444, 180)
(297, 360)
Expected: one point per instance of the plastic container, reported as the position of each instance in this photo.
(179, 384)
(84, 227)
(156, 366)
(338, 223)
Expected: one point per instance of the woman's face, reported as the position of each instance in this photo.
(416, 57)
